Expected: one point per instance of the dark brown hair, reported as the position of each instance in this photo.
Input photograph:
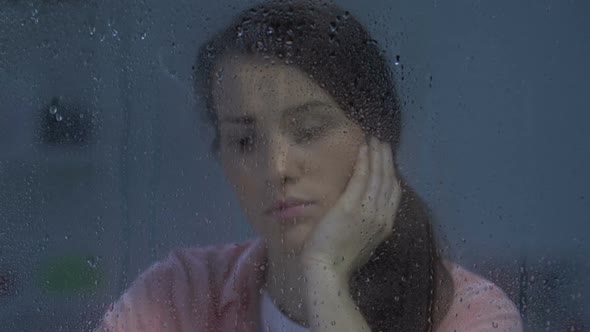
(395, 290)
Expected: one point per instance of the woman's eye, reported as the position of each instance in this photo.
(245, 144)
(307, 134)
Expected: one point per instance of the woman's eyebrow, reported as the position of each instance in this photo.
(242, 119)
(306, 107)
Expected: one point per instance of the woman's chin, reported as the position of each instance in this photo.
(292, 238)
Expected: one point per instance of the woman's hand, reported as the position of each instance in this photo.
(362, 217)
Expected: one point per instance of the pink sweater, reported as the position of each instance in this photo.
(218, 289)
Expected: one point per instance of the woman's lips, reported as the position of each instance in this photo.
(295, 211)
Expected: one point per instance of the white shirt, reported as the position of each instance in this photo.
(273, 319)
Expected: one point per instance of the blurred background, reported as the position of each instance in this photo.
(105, 164)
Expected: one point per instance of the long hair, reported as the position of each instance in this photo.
(395, 289)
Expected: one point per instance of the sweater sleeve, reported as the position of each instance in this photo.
(479, 306)
(163, 298)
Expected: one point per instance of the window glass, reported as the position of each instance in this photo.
(107, 159)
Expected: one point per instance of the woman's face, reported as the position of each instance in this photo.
(282, 137)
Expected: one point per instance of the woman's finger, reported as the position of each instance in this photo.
(388, 180)
(396, 195)
(375, 178)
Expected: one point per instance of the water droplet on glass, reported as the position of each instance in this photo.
(52, 109)
(219, 75)
(58, 117)
(91, 262)
(397, 60)
(142, 36)
(372, 42)
(34, 16)
(495, 325)
(92, 30)
(210, 52)
(332, 26)
(332, 37)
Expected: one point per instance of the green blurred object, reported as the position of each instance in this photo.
(71, 274)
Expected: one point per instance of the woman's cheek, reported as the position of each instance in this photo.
(341, 170)
(236, 171)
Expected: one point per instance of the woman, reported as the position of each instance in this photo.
(307, 124)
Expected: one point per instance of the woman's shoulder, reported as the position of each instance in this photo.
(184, 281)
(478, 304)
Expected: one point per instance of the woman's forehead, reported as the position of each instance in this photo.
(246, 85)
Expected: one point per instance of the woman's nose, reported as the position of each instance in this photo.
(281, 162)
